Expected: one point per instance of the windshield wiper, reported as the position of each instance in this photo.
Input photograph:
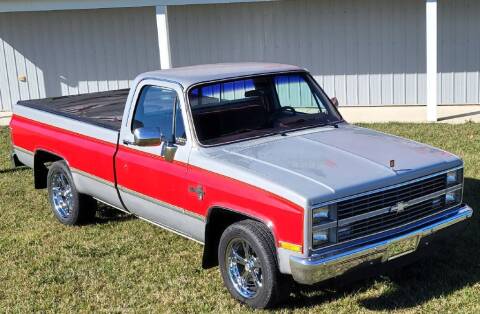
(262, 132)
(240, 131)
(334, 124)
(301, 120)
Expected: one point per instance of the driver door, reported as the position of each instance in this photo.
(150, 185)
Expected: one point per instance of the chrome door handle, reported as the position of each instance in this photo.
(127, 142)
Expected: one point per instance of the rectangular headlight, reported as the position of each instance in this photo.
(454, 197)
(324, 225)
(320, 237)
(324, 214)
(320, 215)
(455, 177)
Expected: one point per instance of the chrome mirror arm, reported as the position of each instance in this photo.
(168, 151)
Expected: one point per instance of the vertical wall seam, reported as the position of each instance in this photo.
(8, 78)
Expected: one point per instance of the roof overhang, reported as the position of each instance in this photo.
(50, 5)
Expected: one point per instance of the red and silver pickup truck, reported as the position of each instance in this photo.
(252, 160)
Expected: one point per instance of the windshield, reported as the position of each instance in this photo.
(238, 109)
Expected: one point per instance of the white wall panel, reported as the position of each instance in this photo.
(71, 52)
(366, 53)
(459, 51)
(369, 52)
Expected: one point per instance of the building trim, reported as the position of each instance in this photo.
(50, 5)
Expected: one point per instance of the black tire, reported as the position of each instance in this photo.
(82, 208)
(274, 287)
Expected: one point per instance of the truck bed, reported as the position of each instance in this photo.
(103, 109)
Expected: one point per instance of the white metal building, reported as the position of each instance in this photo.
(366, 53)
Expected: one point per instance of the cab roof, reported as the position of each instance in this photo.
(191, 75)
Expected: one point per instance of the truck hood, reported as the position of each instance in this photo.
(315, 166)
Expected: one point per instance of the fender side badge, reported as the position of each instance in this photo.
(197, 190)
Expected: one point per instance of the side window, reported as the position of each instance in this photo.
(155, 110)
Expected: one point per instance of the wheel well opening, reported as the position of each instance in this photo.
(218, 220)
(41, 162)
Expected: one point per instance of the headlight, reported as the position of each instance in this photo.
(320, 215)
(320, 237)
(454, 197)
(324, 225)
(455, 177)
(324, 214)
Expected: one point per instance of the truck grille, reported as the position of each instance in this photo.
(388, 198)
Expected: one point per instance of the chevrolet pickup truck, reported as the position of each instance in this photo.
(254, 161)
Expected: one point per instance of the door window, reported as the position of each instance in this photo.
(155, 109)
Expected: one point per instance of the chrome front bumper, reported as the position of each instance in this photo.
(322, 267)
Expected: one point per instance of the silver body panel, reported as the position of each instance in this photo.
(165, 215)
(323, 164)
(96, 187)
(191, 75)
(24, 156)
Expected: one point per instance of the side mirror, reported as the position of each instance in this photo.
(153, 137)
(147, 137)
(334, 101)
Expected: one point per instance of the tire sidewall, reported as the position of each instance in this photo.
(61, 167)
(238, 231)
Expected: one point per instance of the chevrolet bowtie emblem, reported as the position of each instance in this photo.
(398, 208)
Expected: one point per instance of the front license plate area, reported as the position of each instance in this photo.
(402, 247)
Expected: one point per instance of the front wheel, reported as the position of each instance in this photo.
(248, 265)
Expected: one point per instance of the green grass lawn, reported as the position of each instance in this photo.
(121, 264)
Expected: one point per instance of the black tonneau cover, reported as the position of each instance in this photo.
(104, 109)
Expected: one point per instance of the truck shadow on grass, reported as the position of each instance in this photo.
(12, 170)
(107, 214)
(455, 264)
(104, 213)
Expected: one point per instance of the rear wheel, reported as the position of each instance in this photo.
(68, 206)
(248, 264)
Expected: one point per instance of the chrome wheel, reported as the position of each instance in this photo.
(62, 197)
(244, 268)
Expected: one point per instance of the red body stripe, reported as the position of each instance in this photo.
(81, 152)
(168, 182)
